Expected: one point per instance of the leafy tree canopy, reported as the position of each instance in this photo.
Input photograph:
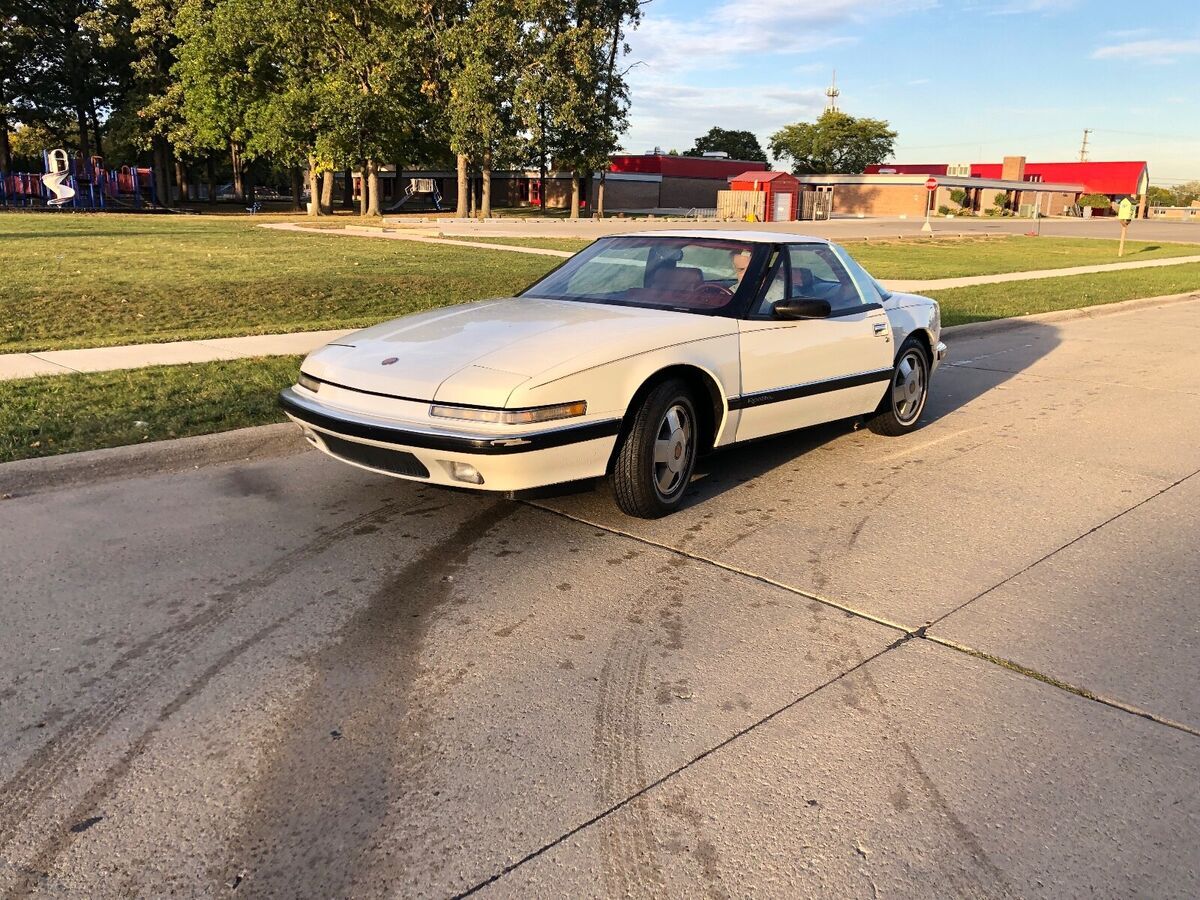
(738, 144)
(836, 143)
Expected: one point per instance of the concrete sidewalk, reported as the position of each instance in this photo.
(972, 280)
(135, 356)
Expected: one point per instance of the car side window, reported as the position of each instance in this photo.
(817, 273)
(867, 286)
(774, 290)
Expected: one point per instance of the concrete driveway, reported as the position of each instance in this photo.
(963, 662)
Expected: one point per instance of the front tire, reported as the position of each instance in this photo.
(654, 463)
(902, 405)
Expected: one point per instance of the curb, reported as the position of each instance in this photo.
(970, 329)
(53, 473)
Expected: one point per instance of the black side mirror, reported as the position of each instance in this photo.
(802, 308)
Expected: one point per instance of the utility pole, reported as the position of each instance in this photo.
(1083, 151)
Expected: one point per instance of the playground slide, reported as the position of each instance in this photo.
(55, 183)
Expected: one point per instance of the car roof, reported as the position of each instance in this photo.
(756, 236)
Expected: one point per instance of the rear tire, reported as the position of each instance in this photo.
(654, 462)
(902, 405)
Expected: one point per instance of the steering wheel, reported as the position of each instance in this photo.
(714, 294)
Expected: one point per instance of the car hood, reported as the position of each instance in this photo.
(480, 352)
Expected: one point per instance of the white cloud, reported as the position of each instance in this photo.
(673, 116)
(749, 38)
(1157, 50)
(735, 32)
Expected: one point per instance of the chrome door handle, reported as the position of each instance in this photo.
(880, 328)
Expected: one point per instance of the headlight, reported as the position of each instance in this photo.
(510, 416)
(307, 381)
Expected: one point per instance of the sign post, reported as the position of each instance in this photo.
(1125, 214)
(931, 188)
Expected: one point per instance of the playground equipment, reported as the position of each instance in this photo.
(420, 187)
(57, 172)
(70, 182)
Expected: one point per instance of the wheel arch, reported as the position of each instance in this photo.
(923, 337)
(711, 406)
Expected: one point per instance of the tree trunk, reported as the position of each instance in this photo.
(574, 195)
(364, 189)
(543, 172)
(347, 190)
(235, 160)
(5, 148)
(485, 199)
(600, 197)
(461, 211)
(314, 188)
(373, 205)
(249, 184)
(99, 149)
(326, 198)
(181, 179)
(81, 120)
(297, 189)
(162, 174)
(210, 170)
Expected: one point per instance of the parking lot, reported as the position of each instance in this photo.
(961, 662)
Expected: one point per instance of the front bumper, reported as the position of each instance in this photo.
(508, 461)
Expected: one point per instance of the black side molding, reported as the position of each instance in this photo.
(762, 398)
(490, 446)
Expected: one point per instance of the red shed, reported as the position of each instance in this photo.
(782, 190)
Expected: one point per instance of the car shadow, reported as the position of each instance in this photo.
(976, 365)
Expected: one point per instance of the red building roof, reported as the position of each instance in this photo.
(683, 166)
(1096, 177)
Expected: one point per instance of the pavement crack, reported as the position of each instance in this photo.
(1062, 547)
(643, 791)
(909, 632)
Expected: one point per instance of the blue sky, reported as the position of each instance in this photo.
(960, 80)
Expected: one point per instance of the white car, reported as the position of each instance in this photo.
(628, 360)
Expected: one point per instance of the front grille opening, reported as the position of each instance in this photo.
(398, 462)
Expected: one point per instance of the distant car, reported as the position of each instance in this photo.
(629, 360)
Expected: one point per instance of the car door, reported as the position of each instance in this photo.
(802, 372)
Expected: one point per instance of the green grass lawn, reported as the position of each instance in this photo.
(984, 302)
(927, 258)
(79, 280)
(64, 413)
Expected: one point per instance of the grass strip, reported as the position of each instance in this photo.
(67, 413)
(985, 302)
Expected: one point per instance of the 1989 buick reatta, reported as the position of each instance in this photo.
(628, 360)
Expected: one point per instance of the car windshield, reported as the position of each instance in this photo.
(698, 275)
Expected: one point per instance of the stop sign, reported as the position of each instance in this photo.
(931, 184)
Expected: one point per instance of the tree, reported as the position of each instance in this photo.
(835, 143)
(1160, 196)
(738, 144)
(486, 45)
(589, 93)
(1186, 193)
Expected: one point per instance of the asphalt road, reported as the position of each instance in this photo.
(838, 229)
(963, 662)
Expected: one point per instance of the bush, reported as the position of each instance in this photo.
(1001, 201)
(1096, 201)
(943, 210)
(959, 196)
